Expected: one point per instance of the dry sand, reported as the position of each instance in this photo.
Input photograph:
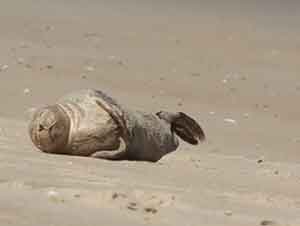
(233, 66)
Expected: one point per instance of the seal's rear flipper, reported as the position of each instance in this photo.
(187, 128)
(184, 126)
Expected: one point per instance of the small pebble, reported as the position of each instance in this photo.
(18, 184)
(257, 146)
(83, 76)
(275, 52)
(233, 89)
(296, 140)
(224, 81)
(90, 35)
(111, 57)
(89, 68)
(180, 102)
(212, 112)
(120, 62)
(132, 206)
(229, 38)
(77, 195)
(23, 45)
(49, 66)
(54, 196)
(4, 67)
(260, 161)
(195, 74)
(229, 120)
(150, 210)
(246, 115)
(228, 213)
(26, 91)
(162, 92)
(28, 66)
(2, 132)
(115, 195)
(49, 28)
(20, 60)
(265, 107)
(267, 222)
(244, 78)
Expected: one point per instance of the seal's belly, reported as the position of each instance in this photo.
(92, 128)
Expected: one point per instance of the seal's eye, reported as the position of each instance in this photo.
(41, 127)
(158, 113)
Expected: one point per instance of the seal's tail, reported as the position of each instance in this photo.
(184, 126)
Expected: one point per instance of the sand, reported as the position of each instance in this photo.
(233, 66)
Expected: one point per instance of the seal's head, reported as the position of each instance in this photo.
(49, 129)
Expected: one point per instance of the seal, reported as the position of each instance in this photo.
(91, 123)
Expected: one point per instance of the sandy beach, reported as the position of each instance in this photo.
(233, 66)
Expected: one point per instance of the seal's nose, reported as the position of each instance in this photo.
(49, 129)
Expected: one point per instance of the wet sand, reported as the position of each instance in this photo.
(234, 67)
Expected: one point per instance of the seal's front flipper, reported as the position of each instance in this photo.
(110, 155)
(184, 126)
(119, 154)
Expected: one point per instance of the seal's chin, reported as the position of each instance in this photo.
(49, 129)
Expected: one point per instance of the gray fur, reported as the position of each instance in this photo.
(102, 128)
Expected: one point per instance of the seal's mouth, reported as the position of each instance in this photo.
(46, 129)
